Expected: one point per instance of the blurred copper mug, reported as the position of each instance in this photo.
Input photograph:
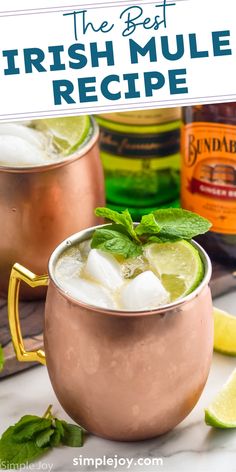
(42, 205)
(121, 375)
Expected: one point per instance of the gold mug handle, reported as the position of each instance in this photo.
(18, 274)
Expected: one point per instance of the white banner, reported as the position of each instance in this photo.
(108, 56)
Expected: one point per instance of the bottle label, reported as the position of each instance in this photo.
(139, 145)
(208, 184)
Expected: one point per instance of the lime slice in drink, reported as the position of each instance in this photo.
(68, 132)
(178, 264)
(222, 411)
(224, 332)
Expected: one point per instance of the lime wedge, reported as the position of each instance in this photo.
(222, 411)
(178, 264)
(68, 132)
(224, 332)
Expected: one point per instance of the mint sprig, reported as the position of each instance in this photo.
(161, 226)
(32, 436)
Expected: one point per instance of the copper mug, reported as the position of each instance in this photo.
(121, 375)
(42, 205)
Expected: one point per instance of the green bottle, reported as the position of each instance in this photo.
(141, 159)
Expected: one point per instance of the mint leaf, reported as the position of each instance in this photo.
(58, 434)
(1, 358)
(43, 438)
(117, 243)
(180, 223)
(163, 239)
(73, 435)
(148, 225)
(18, 453)
(123, 219)
(59, 426)
(55, 439)
(28, 425)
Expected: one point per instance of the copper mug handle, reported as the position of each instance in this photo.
(18, 274)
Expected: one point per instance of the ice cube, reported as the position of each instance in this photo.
(15, 151)
(134, 266)
(104, 269)
(144, 292)
(32, 136)
(69, 266)
(89, 292)
(85, 248)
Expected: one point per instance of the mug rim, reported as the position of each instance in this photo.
(85, 235)
(86, 145)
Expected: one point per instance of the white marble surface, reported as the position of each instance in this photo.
(191, 447)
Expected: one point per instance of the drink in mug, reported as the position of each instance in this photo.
(50, 180)
(161, 275)
(124, 268)
(128, 330)
(41, 142)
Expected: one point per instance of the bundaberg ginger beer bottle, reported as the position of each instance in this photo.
(208, 175)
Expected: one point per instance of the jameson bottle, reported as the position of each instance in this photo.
(140, 152)
(208, 176)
